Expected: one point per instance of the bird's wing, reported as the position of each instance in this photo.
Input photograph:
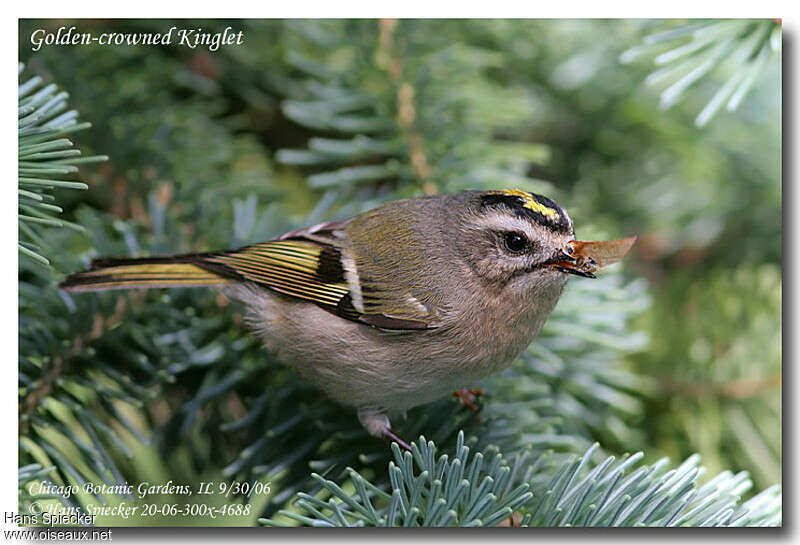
(302, 269)
(314, 265)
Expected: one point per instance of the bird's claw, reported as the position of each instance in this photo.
(469, 397)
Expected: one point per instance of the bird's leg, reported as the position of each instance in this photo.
(389, 436)
(469, 397)
(377, 424)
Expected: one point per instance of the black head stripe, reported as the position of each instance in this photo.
(539, 208)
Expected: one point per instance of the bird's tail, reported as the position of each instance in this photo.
(148, 272)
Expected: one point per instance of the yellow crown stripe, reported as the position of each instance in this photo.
(529, 202)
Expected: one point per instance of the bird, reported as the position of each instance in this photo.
(397, 306)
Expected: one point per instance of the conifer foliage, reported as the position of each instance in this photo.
(317, 120)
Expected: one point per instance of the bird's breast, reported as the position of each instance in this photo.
(487, 350)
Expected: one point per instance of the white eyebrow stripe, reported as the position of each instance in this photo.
(499, 221)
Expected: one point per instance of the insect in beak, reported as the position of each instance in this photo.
(584, 258)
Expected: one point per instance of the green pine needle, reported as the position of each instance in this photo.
(689, 53)
(42, 154)
(482, 489)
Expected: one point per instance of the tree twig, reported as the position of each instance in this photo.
(406, 108)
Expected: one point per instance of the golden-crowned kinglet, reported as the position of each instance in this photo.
(397, 306)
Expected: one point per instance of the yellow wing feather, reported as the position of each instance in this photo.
(289, 267)
(145, 275)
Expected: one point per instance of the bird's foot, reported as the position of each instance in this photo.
(469, 397)
(389, 436)
(378, 425)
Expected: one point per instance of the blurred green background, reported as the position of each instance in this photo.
(245, 131)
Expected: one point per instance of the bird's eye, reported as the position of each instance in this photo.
(515, 242)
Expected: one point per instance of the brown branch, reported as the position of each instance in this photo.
(42, 387)
(744, 388)
(734, 389)
(406, 108)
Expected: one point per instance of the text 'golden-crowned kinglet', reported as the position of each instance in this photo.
(397, 306)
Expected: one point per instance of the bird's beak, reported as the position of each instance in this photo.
(566, 263)
(584, 258)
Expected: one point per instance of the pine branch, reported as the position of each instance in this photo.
(181, 360)
(746, 44)
(413, 120)
(488, 489)
(723, 390)
(86, 362)
(32, 475)
(479, 491)
(405, 108)
(44, 158)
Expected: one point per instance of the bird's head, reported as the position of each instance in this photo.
(520, 241)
